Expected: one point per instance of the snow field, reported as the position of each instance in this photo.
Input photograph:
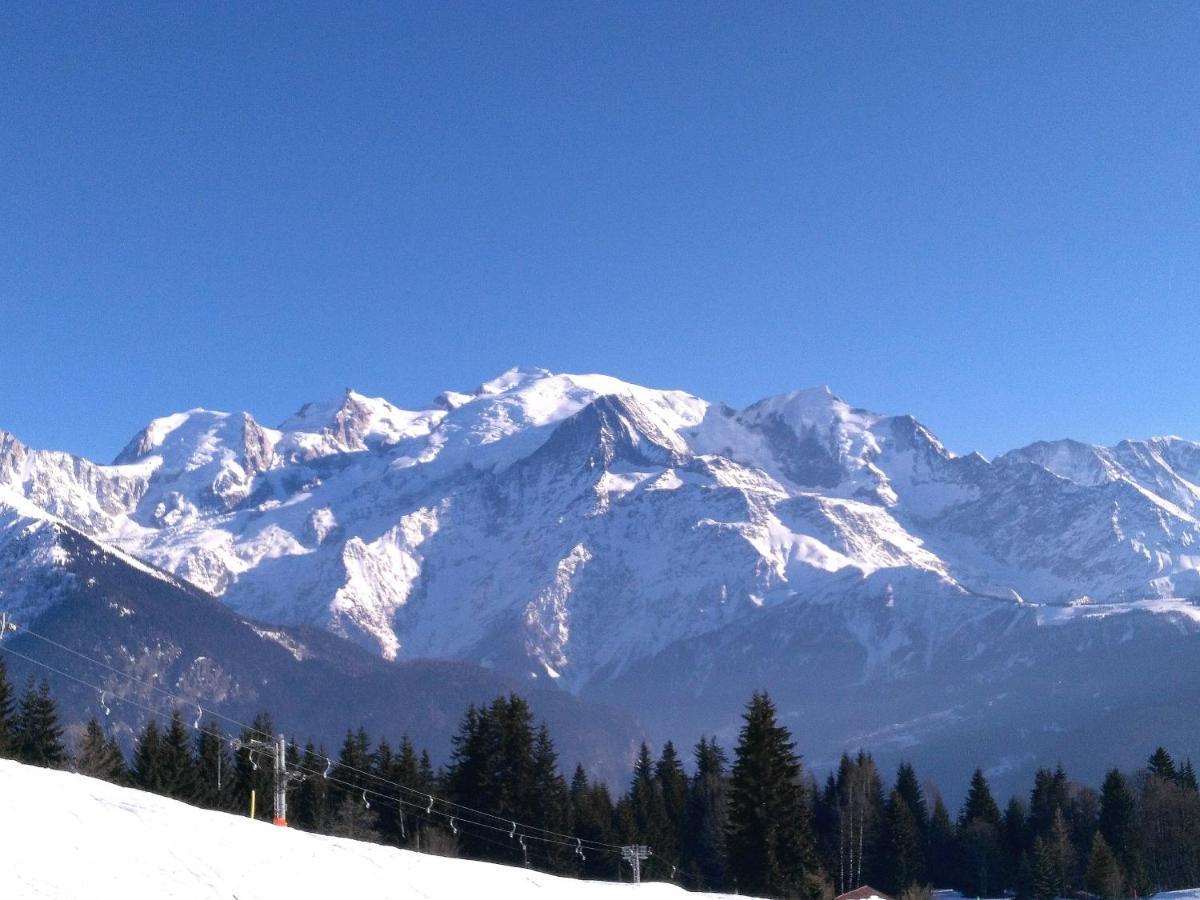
(64, 836)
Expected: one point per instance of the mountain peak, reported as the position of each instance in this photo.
(512, 378)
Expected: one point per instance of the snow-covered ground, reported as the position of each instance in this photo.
(66, 836)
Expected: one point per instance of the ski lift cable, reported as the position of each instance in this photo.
(330, 763)
(154, 687)
(37, 662)
(458, 820)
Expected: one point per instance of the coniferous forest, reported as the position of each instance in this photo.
(749, 818)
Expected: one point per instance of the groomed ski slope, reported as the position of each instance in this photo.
(67, 836)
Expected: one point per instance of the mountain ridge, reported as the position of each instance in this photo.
(575, 529)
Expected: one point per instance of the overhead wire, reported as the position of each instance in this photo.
(418, 811)
(507, 823)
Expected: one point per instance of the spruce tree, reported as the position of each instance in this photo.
(99, 755)
(704, 836)
(253, 769)
(593, 816)
(910, 792)
(147, 759)
(673, 784)
(979, 841)
(176, 760)
(552, 800)
(8, 723)
(1103, 872)
(1187, 776)
(1045, 872)
(309, 810)
(1162, 765)
(38, 735)
(769, 837)
(902, 846)
(1016, 833)
(943, 846)
(1050, 794)
(214, 770)
(1118, 823)
(650, 823)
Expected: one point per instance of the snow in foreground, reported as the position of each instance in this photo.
(67, 836)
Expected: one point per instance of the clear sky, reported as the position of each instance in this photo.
(985, 214)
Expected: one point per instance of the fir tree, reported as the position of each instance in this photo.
(1162, 765)
(147, 759)
(1187, 776)
(902, 845)
(8, 723)
(1118, 823)
(704, 836)
(552, 800)
(1016, 833)
(592, 815)
(214, 770)
(253, 769)
(309, 811)
(943, 847)
(673, 785)
(1045, 874)
(978, 839)
(100, 755)
(177, 763)
(1103, 872)
(38, 735)
(910, 792)
(771, 849)
(650, 823)
(1050, 794)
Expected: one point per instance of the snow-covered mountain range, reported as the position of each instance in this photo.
(590, 531)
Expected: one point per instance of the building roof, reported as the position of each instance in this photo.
(866, 892)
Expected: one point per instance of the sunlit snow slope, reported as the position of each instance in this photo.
(64, 836)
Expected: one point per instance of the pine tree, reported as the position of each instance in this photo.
(177, 763)
(38, 735)
(1162, 765)
(8, 723)
(943, 846)
(1050, 794)
(978, 839)
(910, 792)
(1016, 833)
(1187, 776)
(147, 760)
(1103, 873)
(1045, 874)
(253, 769)
(673, 785)
(592, 815)
(214, 770)
(650, 823)
(551, 798)
(309, 810)
(1118, 824)
(704, 835)
(903, 850)
(1063, 851)
(769, 837)
(99, 755)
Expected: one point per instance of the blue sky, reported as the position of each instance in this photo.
(986, 215)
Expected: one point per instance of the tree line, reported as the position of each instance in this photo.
(758, 823)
